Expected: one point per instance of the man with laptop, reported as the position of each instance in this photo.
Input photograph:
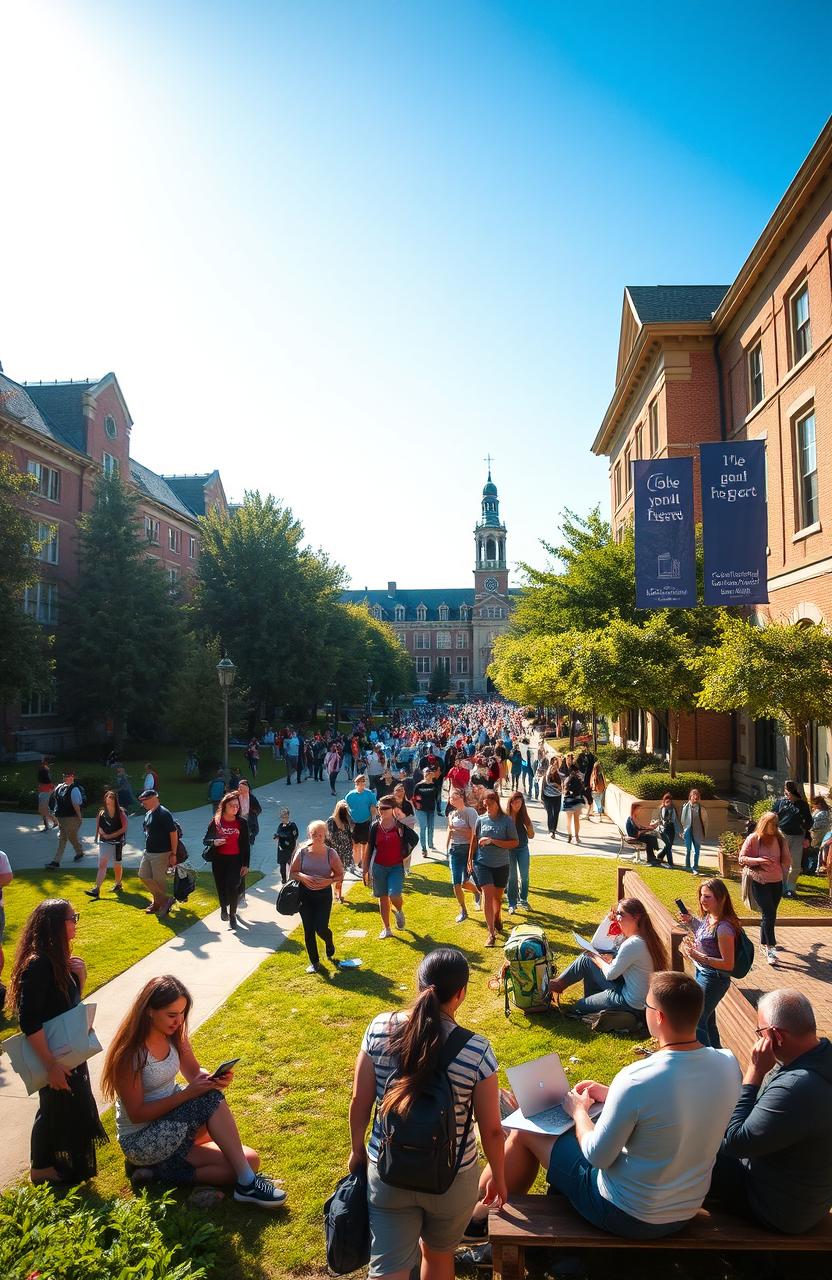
(643, 1168)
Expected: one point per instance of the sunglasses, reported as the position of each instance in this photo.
(75, 916)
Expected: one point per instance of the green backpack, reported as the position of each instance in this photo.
(528, 969)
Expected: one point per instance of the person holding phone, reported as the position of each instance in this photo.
(178, 1135)
(228, 835)
(712, 949)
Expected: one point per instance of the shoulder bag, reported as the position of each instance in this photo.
(70, 1038)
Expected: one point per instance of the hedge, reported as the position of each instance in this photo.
(650, 784)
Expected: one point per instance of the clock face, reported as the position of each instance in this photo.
(491, 584)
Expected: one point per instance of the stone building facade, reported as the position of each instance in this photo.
(747, 361)
(454, 626)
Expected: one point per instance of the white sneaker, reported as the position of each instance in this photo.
(463, 915)
(524, 904)
(511, 911)
(399, 918)
(477, 902)
(386, 933)
(771, 955)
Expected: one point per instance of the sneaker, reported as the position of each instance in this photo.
(117, 888)
(385, 933)
(463, 915)
(53, 865)
(92, 893)
(223, 913)
(511, 910)
(261, 1192)
(312, 968)
(771, 955)
(77, 857)
(399, 918)
(523, 902)
(150, 910)
(476, 1232)
(477, 902)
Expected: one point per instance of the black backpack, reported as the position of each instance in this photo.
(347, 1225)
(418, 1152)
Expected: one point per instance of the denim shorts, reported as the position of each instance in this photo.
(399, 1219)
(571, 1174)
(388, 881)
(458, 863)
(498, 876)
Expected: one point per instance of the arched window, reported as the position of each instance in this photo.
(491, 549)
(443, 613)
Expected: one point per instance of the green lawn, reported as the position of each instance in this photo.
(668, 885)
(112, 932)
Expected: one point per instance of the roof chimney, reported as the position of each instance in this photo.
(391, 589)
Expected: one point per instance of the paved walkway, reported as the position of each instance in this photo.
(804, 960)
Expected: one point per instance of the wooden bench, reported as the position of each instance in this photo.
(631, 885)
(534, 1222)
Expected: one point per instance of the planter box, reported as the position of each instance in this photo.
(618, 804)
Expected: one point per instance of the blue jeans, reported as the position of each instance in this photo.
(426, 824)
(599, 992)
(691, 842)
(714, 984)
(518, 865)
(573, 1176)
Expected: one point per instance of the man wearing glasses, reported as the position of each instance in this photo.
(774, 1165)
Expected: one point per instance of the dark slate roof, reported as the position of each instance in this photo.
(155, 487)
(62, 405)
(16, 401)
(190, 490)
(431, 597)
(669, 303)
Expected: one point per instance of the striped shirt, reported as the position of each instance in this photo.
(473, 1063)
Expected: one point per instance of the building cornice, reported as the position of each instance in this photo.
(29, 437)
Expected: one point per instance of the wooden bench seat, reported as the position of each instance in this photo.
(531, 1222)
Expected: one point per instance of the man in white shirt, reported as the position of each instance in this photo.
(644, 1167)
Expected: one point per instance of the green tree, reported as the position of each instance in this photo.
(25, 660)
(440, 683)
(196, 709)
(361, 645)
(119, 642)
(782, 671)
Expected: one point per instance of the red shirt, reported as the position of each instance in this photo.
(459, 776)
(389, 852)
(231, 831)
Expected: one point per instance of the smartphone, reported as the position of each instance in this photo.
(683, 909)
(224, 1068)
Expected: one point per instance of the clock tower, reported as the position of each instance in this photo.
(491, 605)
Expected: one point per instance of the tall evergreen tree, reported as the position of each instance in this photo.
(120, 637)
(25, 664)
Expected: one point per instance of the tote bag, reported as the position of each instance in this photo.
(70, 1038)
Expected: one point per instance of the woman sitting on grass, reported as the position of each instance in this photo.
(619, 981)
(176, 1134)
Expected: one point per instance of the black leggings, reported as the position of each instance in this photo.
(226, 869)
(767, 897)
(315, 908)
(552, 806)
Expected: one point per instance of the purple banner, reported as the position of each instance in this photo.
(664, 532)
(734, 522)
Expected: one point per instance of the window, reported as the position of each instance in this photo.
(807, 470)
(637, 440)
(461, 640)
(765, 744)
(151, 530)
(801, 330)
(616, 485)
(443, 639)
(48, 535)
(398, 613)
(173, 576)
(191, 547)
(491, 549)
(463, 613)
(444, 663)
(376, 611)
(110, 464)
(628, 469)
(424, 685)
(421, 612)
(462, 664)
(110, 426)
(175, 540)
(421, 640)
(423, 666)
(653, 421)
(756, 382)
(38, 704)
(49, 480)
(443, 613)
(41, 602)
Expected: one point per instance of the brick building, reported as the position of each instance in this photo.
(67, 434)
(747, 361)
(454, 626)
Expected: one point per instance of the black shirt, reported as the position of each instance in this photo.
(425, 795)
(287, 838)
(158, 825)
(40, 996)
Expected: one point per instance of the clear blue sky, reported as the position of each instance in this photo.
(341, 249)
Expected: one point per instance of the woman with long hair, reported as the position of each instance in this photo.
(407, 1227)
(766, 856)
(495, 835)
(597, 788)
(228, 835)
(694, 829)
(573, 803)
(551, 794)
(178, 1135)
(110, 830)
(518, 859)
(460, 846)
(48, 980)
(712, 949)
(619, 980)
(339, 838)
(795, 821)
(821, 824)
(250, 811)
(666, 828)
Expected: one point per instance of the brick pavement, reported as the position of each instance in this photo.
(804, 960)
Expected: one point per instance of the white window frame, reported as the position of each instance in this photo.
(152, 531)
(806, 517)
(174, 539)
(40, 601)
(653, 427)
(191, 547)
(461, 640)
(44, 702)
(398, 612)
(616, 485)
(801, 335)
(110, 465)
(174, 574)
(443, 639)
(423, 665)
(463, 613)
(421, 613)
(755, 375)
(48, 534)
(628, 469)
(48, 478)
(443, 613)
(111, 433)
(445, 663)
(421, 640)
(461, 664)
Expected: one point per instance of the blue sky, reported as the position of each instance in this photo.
(343, 249)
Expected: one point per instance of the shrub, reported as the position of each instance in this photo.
(76, 1239)
(759, 807)
(730, 842)
(14, 794)
(650, 784)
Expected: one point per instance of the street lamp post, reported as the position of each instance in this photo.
(369, 694)
(226, 672)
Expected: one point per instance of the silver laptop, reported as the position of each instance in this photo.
(540, 1087)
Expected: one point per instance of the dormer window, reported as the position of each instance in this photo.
(398, 613)
(463, 613)
(443, 613)
(421, 613)
(377, 612)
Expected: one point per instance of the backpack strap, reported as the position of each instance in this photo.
(454, 1045)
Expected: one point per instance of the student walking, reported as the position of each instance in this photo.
(666, 828)
(390, 844)
(766, 856)
(287, 838)
(425, 798)
(551, 794)
(250, 811)
(694, 829)
(597, 788)
(45, 789)
(228, 835)
(67, 800)
(161, 840)
(317, 867)
(496, 834)
(795, 821)
(361, 802)
(339, 838)
(712, 949)
(461, 849)
(332, 764)
(572, 803)
(518, 859)
(110, 833)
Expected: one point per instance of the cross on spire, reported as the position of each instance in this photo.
(488, 458)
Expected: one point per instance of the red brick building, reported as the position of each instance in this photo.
(67, 434)
(747, 361)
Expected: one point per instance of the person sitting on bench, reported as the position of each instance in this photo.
(646, 835)
(618, 981)
(643, 1168)
(774, 1165)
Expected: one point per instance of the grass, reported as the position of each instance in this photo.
(298, 1035)
(671, 884)
(112, 932)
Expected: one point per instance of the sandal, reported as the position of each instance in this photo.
(205, 1198)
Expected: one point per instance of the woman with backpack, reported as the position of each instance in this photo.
(518, 859)
(413, 1069)
(712, 949)
(794, 819)
(572, 803)
(551, 794)
(619, 981)
(318, 868)
(110, 831)
(766, 856)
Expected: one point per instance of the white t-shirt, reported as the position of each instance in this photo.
(5, 869)
(656, 1140)
(462, 824)
(633, 963)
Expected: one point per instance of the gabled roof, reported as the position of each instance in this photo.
(430, 597)
(675, 303)
(16, 401)
(62, 405)
(190, 490)
(156, 488)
